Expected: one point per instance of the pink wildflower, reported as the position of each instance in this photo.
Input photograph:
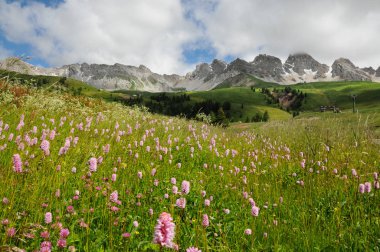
(11, 232)
(173, 181)
(248, 231)
(205, 221)
(193, 249)
(5, 201)
(113, 177)
(175, 190)
(153, 172)
(185, 188)
(93, 163)
(376, 184)
(207, 202)
(361, 188)
(45, 146)
(70, 209)
(181, 203)
(17, 163)
(64, 233)
(48, 218)
(252, 202)
(45, 234)
(126, 235)
(164, 231)
(367, 187)
(255, 211)
(45, 246)
(62, 243)
(354, 173)
(114, 197)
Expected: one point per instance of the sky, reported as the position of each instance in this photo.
(172, 36)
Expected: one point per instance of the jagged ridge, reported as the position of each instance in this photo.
(299, 67)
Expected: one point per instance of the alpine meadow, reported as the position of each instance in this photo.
(213, 145)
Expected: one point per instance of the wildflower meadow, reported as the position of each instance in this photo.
(81, 174)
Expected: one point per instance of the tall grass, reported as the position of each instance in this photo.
(298, 172)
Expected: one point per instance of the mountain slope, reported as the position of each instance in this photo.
(298, 68)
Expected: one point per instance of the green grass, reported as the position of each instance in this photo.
(318, 94)
(321, 209)
(339, 93)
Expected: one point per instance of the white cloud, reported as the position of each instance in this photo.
(4, 53)
(132, 32)
(154, 32)
(325, 29)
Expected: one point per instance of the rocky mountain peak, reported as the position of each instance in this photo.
(346, 70)
(377, 73)
(240, 65)
(369, 70)
(218, 66)
(145, 69)
(302, 61)
(201, 71)
(266, 65)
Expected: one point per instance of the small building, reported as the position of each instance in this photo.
(334, 109)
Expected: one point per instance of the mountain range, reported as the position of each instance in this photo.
(297, 68)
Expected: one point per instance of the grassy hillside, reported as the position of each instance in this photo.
(55, 83)
(339, 93)
(78, 173)
(244, 102)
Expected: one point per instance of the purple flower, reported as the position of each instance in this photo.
(126, 235)
(45, 246)
(70, 209)
(48, 218)
(93, 163)
(367, 187)
(248, 231)
(193, 249)
(113, 177)
(255, 211)
(17, 163)
(205, 221)
(181, 203)
(164, 231)
(114, 197)
(11, 232)
(45, 234)
(175, 190)
(203, 193)
(185, 187)
(64, 233)
(361, 188)
(207, 202)
(354, 173)
(62, 243)
(45, 146)
(173, 181)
